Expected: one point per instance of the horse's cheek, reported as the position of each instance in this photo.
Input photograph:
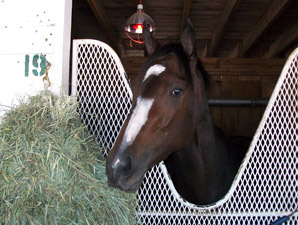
(165, 121)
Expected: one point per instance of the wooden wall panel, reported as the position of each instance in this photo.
(249, 119)
(236, 120)
(268, 84)
(230, 121)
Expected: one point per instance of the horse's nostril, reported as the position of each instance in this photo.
(122, 166)
(127, 167)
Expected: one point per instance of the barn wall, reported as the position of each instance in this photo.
(33, 32)
(232, 79)
(239, 120)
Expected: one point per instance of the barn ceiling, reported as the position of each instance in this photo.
(224, 28)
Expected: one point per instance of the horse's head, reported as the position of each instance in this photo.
(163, 113)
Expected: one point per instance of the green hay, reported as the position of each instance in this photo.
(51, 170)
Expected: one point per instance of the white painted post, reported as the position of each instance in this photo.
(33, 32)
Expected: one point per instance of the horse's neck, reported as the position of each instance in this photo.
(194, 173)
(197, 170)
(204, 142)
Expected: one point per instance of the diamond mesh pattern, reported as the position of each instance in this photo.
(101, 88)
(266, 186)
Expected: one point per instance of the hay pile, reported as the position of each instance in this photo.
(50, 171)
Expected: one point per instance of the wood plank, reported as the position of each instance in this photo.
(243, 66)
(272, 12)
(268, 84)
(284, 41)
(248, 87)
(218, 34)
(100, 14)
(230, 121)
(222, 66)
(205, 51)
(235, 51)
(185, 15)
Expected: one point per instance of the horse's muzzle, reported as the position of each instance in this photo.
(121, 174)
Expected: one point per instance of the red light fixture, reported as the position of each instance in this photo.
(137, 28)
(134, 23)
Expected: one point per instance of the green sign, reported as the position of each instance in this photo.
(39, 63)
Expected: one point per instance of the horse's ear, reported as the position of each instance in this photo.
(150, 42)
(188, 40)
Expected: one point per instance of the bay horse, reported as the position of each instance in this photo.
(170, 121)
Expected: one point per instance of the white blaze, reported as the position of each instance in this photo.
(137, 120)
(154, 70)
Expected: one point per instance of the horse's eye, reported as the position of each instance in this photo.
(177, 92)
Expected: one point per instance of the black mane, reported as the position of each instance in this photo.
(177, 49)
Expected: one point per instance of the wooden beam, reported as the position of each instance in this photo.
(221, 66)
(272, 12)
(204, 52)
(185, 15)
(101, 16)
(235, 52)
(284, 41)
(243, 66)
(218, 34)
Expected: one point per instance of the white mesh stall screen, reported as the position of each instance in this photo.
(99, 82)
(266, 186)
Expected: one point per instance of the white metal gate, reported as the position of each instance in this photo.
(266, 186)
(100, 84)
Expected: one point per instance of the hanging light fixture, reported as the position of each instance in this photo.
(134, 24)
